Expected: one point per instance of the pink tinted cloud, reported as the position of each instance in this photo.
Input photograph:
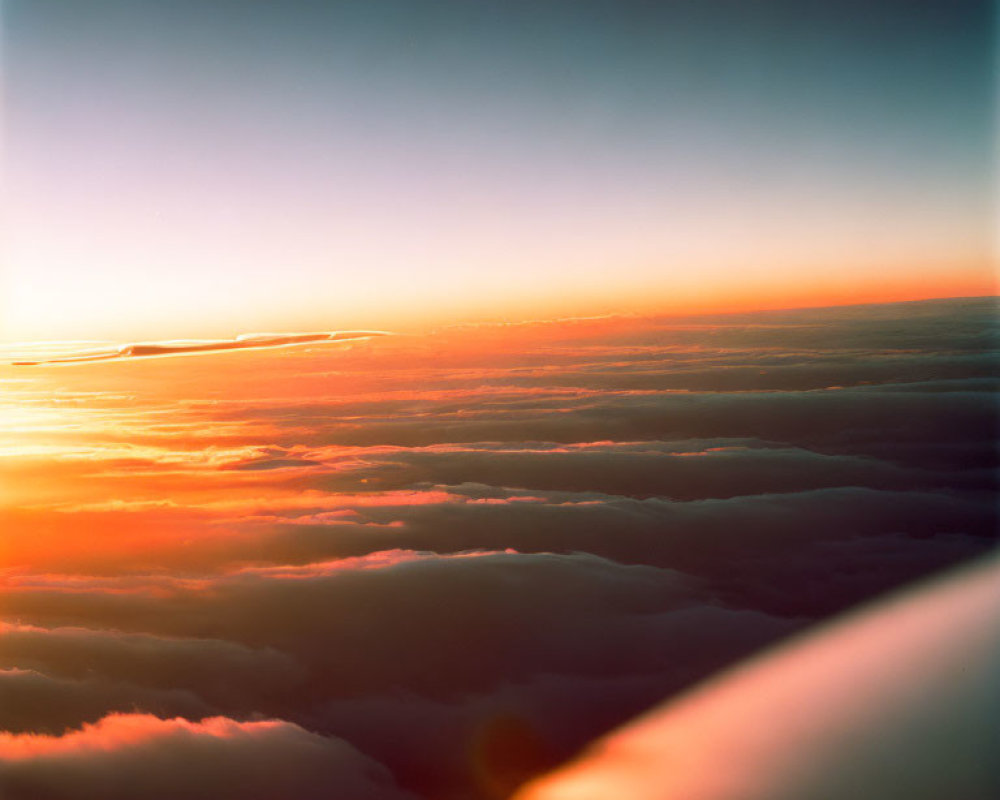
(118, 731)
(140, 755)
(377, 560)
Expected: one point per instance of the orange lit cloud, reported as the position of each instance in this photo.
(139, 755)
(495, 541)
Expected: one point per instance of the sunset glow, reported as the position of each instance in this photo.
(551, 525)
(205, 168)
(398, 397)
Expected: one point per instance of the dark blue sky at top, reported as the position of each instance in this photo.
(828, 63)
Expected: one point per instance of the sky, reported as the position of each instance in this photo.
(438, 565)
(190, 169)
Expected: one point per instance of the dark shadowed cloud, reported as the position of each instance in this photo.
(482, 636)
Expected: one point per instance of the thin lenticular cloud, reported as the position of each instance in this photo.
(182, 347)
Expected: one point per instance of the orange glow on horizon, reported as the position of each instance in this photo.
(701, 288)
(746, 295)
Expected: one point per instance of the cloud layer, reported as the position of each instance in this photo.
(441, 564)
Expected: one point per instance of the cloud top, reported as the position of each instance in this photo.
(140, 755)
(460, 556)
